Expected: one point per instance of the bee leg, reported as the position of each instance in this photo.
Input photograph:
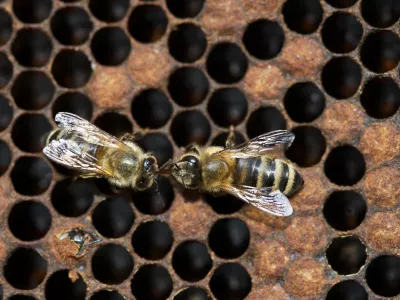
(115, 189)
(230, 140)
(133, 137)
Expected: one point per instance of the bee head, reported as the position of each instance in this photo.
(149, 169)
(187, 171)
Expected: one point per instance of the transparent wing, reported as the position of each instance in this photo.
(69, 154)
(87, 131)
(278, 140)
(275, 203)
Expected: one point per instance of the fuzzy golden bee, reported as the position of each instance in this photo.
(79, 145)
(248, 171)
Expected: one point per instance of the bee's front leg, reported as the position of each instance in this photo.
(133, 137)
(230, 140)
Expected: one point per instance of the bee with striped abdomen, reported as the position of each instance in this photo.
(79, 145)
(248, 171)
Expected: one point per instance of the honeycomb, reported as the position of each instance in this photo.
(186, 70)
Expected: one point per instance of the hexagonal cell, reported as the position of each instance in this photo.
(32, 90)
(110, 46)
(109, 10)
(5, 157)
(347, 290)
(151, 282)
(147, 23)
(114, 123)
(152, 240)
(158, 144)
(341, 32)
(32, 47)
(113, 217)
(30, 131)
(185, 8)
(71, 25)
(112, 264)
(29, 220)
(226, 63)
(341, 3)
(230, 281)
(187, 43)
(304, 102)
(6, 27)
(191, 260)
(383, 275)
(107, 295)
(25, 269)
(61, 283)
(73, 102)
(346, 255)
(32, 11)
(192, 292)
(264, 39)
(6, 70)
(21, 297)
(71, 68)
(6, 112)
(380, 13)
(302, 16)
(31, 175)
(263, 120)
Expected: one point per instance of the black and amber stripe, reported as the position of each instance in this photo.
(267, 172)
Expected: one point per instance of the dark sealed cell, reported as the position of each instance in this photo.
(60, 286)
(346, 255)
(21, 297)
(341, 77)
(6, 112)
(6, 70)
(147, 23)
(192, 293)
(151, 108)
(230, 281)
(345, 165)
(308, 147)
(188, 86)
(6, 27)
(185, 8)
(71, 68)
(110, 46)
(263, 120)
(74, 102)
(345, 210)
(32, 11)
(72, 198)
(227, 106)
(380, 51)
(347, 290)
(158, 144)
(113, 217)
(304, 102)
(226, 63)
(191, 261)
(152, 240)
(151, 282)
(157, 199)
(187, 43)
(25, 269)
(107, 295)
(109, 10)
(71, 25)
(229, 238)
(31, 175)
(112, 264)
(381, 97)
(341, 32)
(380, 13)
(190, 127)
(30, 131)
(32, 47)
(32, 90)
(114, 123)
(341, 3)
(302, 16)
(5, 157)
(29, 220)
(264, 39)
(383, 275)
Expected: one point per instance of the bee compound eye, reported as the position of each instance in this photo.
(192, 160)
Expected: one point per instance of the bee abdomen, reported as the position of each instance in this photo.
(287, 179)
(247, 171)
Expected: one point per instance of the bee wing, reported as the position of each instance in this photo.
(278, 140)
(86, 130)
(68, 153)
(275, 203)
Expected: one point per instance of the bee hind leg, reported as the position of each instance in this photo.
(230, 140)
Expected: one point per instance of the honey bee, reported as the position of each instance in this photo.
(248, 171)
(79, 145)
